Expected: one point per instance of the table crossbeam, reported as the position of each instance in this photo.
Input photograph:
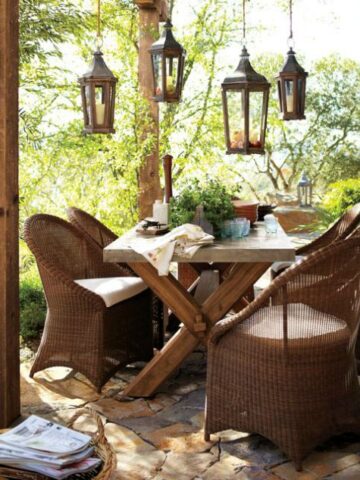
(238, 280)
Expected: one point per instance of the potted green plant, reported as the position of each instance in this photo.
(213, 196)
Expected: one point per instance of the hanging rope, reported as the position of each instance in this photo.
(98, 33)
(244, 23)
(291, 19)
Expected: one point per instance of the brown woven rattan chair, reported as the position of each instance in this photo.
(340, 230)
(93, 333)
(101, 236)
(287, 370)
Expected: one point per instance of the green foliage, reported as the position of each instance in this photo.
(32, 305)
(60, 166)
(213, 196)
(341, 196)
(44, 26)
(183, 206)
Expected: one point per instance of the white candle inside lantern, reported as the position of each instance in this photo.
(289, 103)
(100, 113)
(170, 84)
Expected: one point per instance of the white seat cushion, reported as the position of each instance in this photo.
(302, 320)
(114, 289)
(279, 266)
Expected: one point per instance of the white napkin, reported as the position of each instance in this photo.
(184, 241)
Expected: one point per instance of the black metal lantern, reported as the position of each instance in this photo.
(245, 101)
(168, 60)
(292, 84)
(245, 96)
(304, 189)
(98, 97)
(98, 91)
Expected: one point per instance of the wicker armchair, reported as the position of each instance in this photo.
(101, 236)
(93, 333)
(287, 369)
(340, 230)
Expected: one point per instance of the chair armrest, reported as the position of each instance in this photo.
(274, 288)
(50, 276)
(223, 326)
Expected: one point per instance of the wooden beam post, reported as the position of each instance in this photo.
(150, 12)
(9, 238)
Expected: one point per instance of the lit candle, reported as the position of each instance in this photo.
(237, 140)
(289, 103)
(170, 84)
(100, 113)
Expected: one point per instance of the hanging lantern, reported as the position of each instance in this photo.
(168, 60)
(98, 97)
(98, 93)
(245, 96)
(304, 189)
(292, 84)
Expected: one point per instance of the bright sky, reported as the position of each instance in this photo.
(320, 26)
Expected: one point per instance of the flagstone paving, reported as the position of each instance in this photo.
(162, 438)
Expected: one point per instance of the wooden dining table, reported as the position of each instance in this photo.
(227, 270)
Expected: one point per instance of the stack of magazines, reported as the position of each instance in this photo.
(47, 448)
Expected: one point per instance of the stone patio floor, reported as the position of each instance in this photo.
(162, 438)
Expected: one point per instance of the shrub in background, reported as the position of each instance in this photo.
(32, 305)
(340, 196)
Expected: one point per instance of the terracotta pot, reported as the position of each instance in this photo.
(247, 209)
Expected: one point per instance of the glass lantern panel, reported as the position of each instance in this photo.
(172, 73)
(289, 95)
(236, 118)
(255, 118)
(279, 94)
(88, 102)
(100, 104)
(300, 95)
(158, 74)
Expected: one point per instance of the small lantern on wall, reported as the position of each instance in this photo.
(304, 189)
(98, 93)
(245, 96)
(168, 60)
(292, 84)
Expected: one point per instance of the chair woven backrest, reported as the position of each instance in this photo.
(58, 245)
(317, 293)
(340, 230)
(328, 282)
(91, 227)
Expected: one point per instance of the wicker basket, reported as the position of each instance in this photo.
(103, 450)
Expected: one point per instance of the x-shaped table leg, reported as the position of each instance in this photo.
(195, 318)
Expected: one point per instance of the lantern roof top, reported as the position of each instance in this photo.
(291, 64)
(99, 69)
(167, 40)
(304, 180)
(245, 73)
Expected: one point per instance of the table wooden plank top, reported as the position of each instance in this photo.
(259, 246)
